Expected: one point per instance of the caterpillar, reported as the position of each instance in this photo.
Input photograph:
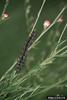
(23, 55)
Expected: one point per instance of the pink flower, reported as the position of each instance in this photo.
(5, 15)
(60, 20)
(46, 24)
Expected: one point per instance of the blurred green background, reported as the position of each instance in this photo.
(13, 31)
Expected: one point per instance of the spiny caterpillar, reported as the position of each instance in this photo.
(21, 59)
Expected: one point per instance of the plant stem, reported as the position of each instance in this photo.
(39, 13)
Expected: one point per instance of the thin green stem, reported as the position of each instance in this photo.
(62, 33)
(39, 13)
(8, 71)
(61, 36)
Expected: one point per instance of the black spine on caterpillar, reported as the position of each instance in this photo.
(21, 59)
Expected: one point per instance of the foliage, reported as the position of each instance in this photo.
(48, 76)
